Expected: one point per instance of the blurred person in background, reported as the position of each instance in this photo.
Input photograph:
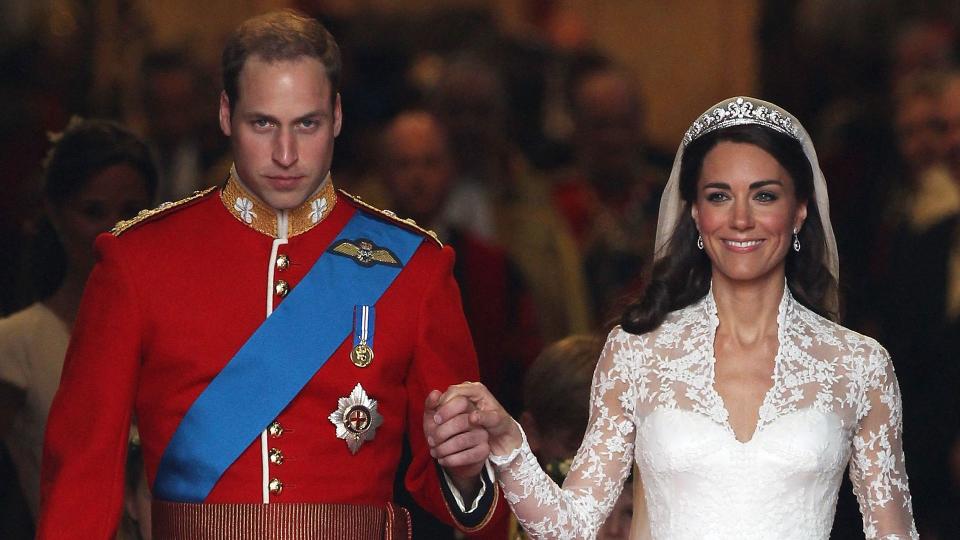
(910, 263)
(97, 174)
(946, 366)
(922, 45)
(501, 199)
(920, 214)
(611, 198)
(418, 170)
(173, 91)
(135, 523)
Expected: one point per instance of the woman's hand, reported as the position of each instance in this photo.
(460, 409)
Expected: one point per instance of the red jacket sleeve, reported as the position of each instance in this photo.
(82, 480)
(444, 355)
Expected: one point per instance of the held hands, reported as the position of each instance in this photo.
(465, 425)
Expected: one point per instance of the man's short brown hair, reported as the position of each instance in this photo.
(279, 35)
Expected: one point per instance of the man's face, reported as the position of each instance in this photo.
(607, 126)
(418, 167)
(172, 105)
(919, 131)
(282, 128)
(470, 104)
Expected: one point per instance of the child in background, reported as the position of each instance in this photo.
(556, 399)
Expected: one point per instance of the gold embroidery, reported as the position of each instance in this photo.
(251, 211)
(393, 218)
(146, 215)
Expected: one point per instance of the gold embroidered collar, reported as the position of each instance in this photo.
(250, 210)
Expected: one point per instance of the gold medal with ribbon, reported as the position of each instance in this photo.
(363, 324)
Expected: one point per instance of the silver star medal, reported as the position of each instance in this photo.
(356, 418)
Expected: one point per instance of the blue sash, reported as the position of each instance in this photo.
(278, 360)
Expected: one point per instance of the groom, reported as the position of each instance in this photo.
(274, 338)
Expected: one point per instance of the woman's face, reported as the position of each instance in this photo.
(746, 209)
(111, 194)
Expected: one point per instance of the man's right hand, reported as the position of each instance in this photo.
(482, 410)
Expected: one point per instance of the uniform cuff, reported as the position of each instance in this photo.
(480, 508)
(486, 474)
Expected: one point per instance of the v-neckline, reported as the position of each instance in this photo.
(711, 307)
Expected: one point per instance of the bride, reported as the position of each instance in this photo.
(729, 382)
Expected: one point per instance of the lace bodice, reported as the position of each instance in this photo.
(834, 400)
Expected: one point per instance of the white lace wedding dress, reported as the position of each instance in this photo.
(834, 400)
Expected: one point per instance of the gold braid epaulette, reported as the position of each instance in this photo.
(146, 215)
(406, 223)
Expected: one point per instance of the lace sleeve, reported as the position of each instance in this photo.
(599, 468)
(877, 468)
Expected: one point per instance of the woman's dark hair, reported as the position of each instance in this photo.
(682, 276)
(85, 148)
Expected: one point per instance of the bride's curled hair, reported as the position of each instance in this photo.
(682, 272)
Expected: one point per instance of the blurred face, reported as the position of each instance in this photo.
(418, 167)
(608, 126)
(282, 128)
(919, 131)
(746, 210)
(950, 115)
(550, 446)
(471, 106)
(172, 105)
(112, 194)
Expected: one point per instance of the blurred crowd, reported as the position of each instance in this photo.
(528, 155)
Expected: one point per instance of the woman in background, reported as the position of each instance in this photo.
(97, 173)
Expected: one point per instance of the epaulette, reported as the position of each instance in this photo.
(146, 215)
(393, 218)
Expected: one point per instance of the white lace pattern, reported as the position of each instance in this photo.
(834, 401)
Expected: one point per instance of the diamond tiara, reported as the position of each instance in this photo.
(740, 111)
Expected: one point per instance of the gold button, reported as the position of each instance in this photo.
(276, 456)
(275, 429)
(283, 262)
(276, 486)
(281, 288)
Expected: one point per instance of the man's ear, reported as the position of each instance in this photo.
(225, 113)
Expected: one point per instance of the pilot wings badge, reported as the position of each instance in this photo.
(364, 252)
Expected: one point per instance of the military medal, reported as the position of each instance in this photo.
(356, 418)
(362, 353)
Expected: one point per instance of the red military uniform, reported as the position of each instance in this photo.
(170, 302)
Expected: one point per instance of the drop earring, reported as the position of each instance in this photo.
(699, 242)
(796, 241)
